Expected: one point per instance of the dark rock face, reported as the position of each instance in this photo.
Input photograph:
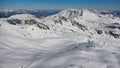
(63, 18)
(116, 35)
(112, 30)
(30, 22)
(14, 21)
(43, 26)
(82, 27)
(58, 21)
(34, 22)
(114, 26)
(99, 31)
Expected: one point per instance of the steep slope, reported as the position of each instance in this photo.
(80, 21)
(68, 21)
(26, 25)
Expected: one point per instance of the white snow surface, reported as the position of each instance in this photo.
(66, 44)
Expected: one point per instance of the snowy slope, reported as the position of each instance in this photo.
(70, 39)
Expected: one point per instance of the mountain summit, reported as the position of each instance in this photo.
(71, 13)
(67, 21)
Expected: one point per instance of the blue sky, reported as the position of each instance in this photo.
(59, 4)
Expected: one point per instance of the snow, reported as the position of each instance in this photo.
(63, 45)
(22, 16)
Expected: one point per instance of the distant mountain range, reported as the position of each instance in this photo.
(44, 13)
(37, 13)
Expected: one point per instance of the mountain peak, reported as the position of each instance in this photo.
(84, 13)
(22, 16)
(70, 13)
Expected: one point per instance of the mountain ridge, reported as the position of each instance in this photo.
(69, 39)
(67, 21)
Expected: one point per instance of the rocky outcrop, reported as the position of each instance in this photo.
(77, 24)
(58, 21)
(14, 21)
(114, 26)
(114, 30)
(34, 22)
(114, 34)
(99, 31)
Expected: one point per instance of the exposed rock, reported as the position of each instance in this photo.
(113, 33)
(58, 21)
(74, 23)
(113, 30)
(73, 31)
(30, 22)
(114, 26)
(63, 18)
(43, 26)
(33, 22)
(14, 21)
(99, 31)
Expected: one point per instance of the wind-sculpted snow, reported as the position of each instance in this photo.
(74, 52)
(70, 39)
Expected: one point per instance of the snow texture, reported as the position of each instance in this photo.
(70, 39)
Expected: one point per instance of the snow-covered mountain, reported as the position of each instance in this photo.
(73, 38)
(38, 13)
(67, 21)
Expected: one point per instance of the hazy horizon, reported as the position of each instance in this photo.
(60, 4)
